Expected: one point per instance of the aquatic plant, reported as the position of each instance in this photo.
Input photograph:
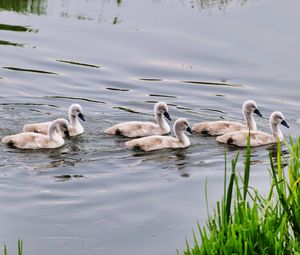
(20, 248)
(245, 222)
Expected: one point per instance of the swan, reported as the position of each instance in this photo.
(222, 127)
(75, 128)
(140, 129)
(31, 140)
(158, 142)
(257, 138)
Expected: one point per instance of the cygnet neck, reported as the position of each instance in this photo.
(250, 121)
(181, 136)
(162, 123)
(74, 121)
(276, 130)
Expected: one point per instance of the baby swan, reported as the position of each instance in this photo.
(75, 128)
(257, 138)
(223, 127)
(140, 129)
(158, 142)
(31, 140)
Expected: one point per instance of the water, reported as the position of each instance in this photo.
(117, 58)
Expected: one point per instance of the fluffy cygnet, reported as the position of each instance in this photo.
(257, 138)
(31, 140)
(140, 128)
(158, 142)
(75, 128)
(223, 127)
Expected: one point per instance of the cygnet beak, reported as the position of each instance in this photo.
(189, 130)
(80, 115)
(284, 124)
(67, 134)
(257, 112)
(167, 115)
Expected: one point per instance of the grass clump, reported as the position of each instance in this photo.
(20, 248)
(245, 222)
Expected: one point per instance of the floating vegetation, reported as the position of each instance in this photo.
(77, 63)
(28, 70)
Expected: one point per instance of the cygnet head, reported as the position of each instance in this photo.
(182, 125)
(278, 118)
(61, 125)
(76, 110)
(161, 108)
(249, 107)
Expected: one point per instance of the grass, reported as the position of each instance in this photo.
(20, 248)
(245, 222)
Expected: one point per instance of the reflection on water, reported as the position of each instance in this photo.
(67, 177)
(24, 6)
(7, 43)
(182, 163)
(39, 7)
(15, 28)
(209, 4)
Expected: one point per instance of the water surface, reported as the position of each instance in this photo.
(117, 58)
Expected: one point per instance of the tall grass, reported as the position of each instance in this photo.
(20, 248)
(245, 222)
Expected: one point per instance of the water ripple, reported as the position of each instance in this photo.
(77, 63)
(213, 83)
(77, 98)
(28, 70)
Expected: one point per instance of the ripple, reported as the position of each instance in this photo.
(32, 104)
(214, 110)
(150, 79)
(76, 98)
(118, 89)
(126, 109)
(28, 70)
(77, 63)
(213, 83)
(159, 95)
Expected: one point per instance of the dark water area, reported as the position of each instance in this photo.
(116, 59)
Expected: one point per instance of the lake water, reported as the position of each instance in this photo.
(117, 58)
